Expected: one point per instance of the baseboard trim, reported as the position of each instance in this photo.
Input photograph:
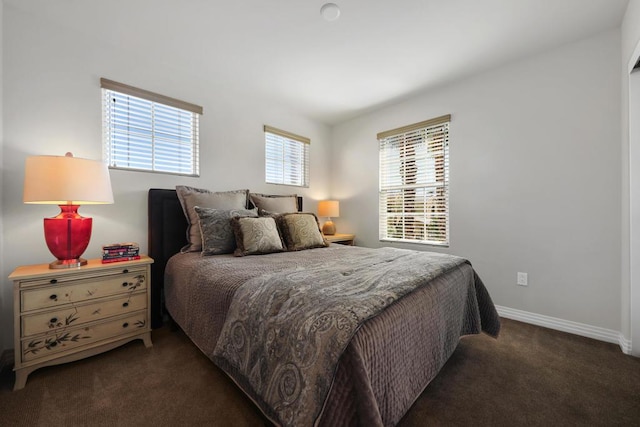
(584, 330)
(625, 344)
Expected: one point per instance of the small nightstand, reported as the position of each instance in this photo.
(343, 239)
(66, 315)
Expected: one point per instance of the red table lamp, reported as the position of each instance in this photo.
(69, 182)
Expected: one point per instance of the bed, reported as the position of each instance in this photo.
(335, 335)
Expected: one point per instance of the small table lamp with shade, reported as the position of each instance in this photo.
(329, 209)
(69, 182)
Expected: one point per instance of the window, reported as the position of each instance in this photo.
(149, 132)
(414, 183)
(286, 158)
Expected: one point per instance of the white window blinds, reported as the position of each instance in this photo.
(149, 132)
(286, 158)
(414, 183)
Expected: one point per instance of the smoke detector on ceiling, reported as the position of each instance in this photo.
(330, 11)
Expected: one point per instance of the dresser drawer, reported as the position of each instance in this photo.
(81, 290)
(74, 338)
(70, 316)
(63, 277)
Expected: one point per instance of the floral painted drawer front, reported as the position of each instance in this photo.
(54, 295)
(72, 315)
(70, 338)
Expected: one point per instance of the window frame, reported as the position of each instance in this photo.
(158, 105)
(421, 219)
(279, 163)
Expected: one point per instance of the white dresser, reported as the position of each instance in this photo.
(66, 315)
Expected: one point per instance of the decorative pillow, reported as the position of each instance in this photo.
(262, 212)
(191, 197)
(216, 231)
(256, 236)
(275, 203)
(301, 231)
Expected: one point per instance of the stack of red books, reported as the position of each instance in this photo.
(116, 252)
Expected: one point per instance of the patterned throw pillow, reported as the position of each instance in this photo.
(190, 197)
(301, 231)
(256, 236)
(216, 231)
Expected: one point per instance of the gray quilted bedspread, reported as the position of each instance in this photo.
(288, 328)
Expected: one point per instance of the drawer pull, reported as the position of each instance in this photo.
(125, 271)
(53, 281)
(53, 320)
(125, 304)
(125, 324)
(53, 297)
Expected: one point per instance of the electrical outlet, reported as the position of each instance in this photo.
(522, 279)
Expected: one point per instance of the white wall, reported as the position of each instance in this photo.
(52, 105)
(630, 35)
(535, 160)
(535, 178)
(3, 309)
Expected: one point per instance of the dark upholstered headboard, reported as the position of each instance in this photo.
(167, 235)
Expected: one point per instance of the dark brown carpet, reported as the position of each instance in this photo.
(530, 376)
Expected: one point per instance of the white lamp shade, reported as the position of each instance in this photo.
(329, 208)
(59, 180)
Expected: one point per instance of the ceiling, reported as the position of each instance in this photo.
(378, 51)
